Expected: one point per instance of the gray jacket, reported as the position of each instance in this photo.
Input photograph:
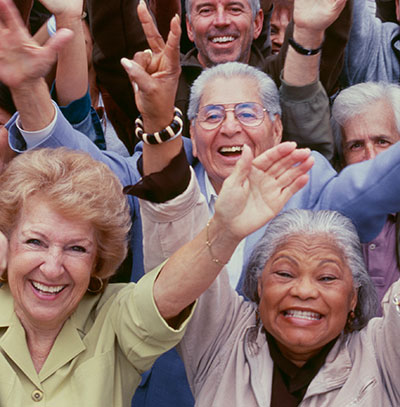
(373, 50)
(226, 355)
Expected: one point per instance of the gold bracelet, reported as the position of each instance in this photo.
(208, 243)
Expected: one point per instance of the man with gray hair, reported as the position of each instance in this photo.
(225, 30)
(366, 122)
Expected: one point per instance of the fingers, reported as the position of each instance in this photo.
(153, 37)
(269, 157)
(291, 174)
(143, 58)
(277, 160)
(297, 184)
(295, 178)
(242, 169)
(9, 15)
(172, 48)
(137, 75)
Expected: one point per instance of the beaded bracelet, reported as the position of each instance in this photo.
(169, 133)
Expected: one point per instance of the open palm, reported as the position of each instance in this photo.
(258, 188)
(21, 58)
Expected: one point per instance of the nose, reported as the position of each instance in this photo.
(304, 288)
(369, 151)
(280, 38)
(221, 17)
(52, 263)
(230, 125)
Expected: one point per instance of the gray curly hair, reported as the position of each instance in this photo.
(305, 222)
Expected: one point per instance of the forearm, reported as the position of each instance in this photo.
(33, 102)
(157, 157)
(191, 270)
(72, 64)
(306, 117)
(300, 70)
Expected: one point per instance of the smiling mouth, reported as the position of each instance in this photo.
(231, 151)
(222, 39)
(308, 315)
(46, 289)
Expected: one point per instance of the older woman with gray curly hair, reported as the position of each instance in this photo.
(308, 336)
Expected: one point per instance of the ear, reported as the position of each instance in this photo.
(189, 29)
(192, 132)
(259, 289)
(277, 129)
(354, 298)
(258, 24)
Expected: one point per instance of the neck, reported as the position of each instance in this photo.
(297, 358)
(40, 340)
(216, 185)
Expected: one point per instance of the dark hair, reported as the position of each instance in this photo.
(6, 101)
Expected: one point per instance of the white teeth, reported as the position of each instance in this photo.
(47, 289)
(222, 39)
(313, 316)
(233, 149)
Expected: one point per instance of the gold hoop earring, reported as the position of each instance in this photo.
(350, 319)
(95, 280)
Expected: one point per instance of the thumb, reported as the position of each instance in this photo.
(242, 168)
(59, 40)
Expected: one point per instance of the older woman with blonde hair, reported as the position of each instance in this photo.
(65, 335)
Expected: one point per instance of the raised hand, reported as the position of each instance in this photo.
(21, 59)
(258, 188)
(316, 15)
(154, 73)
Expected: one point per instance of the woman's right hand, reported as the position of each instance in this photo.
(258, 188)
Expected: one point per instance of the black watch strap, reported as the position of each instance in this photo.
(303, 51)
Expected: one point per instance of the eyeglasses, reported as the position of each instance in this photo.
(249, 114)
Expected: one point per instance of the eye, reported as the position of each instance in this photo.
(235, 10)
(213, 116)
(355, 146)
(284, 274)
(247, 115)
(205, 11)
(383, 143)
(79, 249)
(327, 278)
(274, 30)
(34, 242)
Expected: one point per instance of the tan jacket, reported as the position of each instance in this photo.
(98, 356)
